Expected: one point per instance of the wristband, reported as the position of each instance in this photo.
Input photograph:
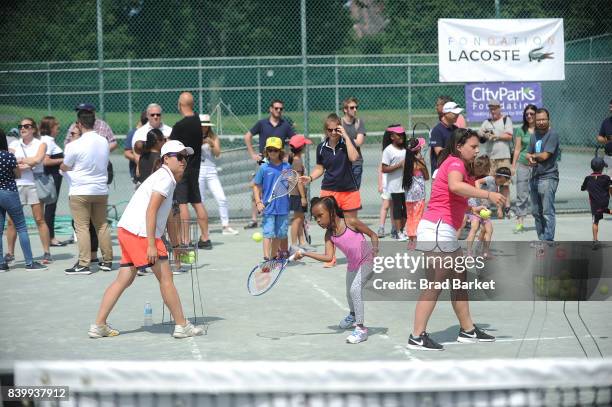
(311, 179)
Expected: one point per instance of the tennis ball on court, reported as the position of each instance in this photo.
(257, 236)
(485, 213)
(603, 289)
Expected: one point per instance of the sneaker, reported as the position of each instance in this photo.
(47, 258)
(423, 342)
(105, 265)
(473, 336)
(186, 331)
(381, 232)
(143, 271)
(519, 228)
(401, 237)
(35, 266)
(100, 331)
(205, 244)
(180, 270)
(77, 269)
(507, 212)
(358, 335)
(394, 235)
(229, 231)
(251, 225)
(4, 267)
(595, 245)
(347, 322)
(330, 264)
(9, 258)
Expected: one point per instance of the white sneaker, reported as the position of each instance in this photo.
(402, 237)
(347, 322)
(229, 231)
(358, 335)
(100, 331)
(180, 270)
(186, 331)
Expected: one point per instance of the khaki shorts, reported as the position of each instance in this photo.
(498, 163)
(28, 194)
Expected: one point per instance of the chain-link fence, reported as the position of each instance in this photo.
(382, 52)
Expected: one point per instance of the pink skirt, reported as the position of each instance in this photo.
(414, 213)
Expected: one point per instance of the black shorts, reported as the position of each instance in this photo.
(295, 203)
(188, 189)
(598, 214)
(399, 205)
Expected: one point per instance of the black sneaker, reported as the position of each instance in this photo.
(105, 265)
(36, 266)
(251, 225)
(4, 267)
(77, 269)
(205, 244)
(473, 336)
(423, 342)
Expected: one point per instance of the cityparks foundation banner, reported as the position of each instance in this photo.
(499, 50)
(512, 96)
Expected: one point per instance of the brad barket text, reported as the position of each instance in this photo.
(425, 284)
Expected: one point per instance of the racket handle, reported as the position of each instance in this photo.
(292, 257)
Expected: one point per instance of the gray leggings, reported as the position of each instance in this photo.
(354, 285)
(523, 173)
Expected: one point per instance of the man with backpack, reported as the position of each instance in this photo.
(496, 137)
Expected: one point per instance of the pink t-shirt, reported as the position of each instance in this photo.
(443, 204)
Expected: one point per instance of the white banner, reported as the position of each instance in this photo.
(501, 50)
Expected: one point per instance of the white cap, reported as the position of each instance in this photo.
(451, 107)
(205, 120)
(175, 146)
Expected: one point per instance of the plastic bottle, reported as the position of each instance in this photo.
(148, 314)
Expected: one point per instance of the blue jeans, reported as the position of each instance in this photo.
(9, 202)
(543, 192)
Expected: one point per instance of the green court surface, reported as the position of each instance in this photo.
(45, 315)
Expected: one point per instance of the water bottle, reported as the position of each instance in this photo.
(148, 314)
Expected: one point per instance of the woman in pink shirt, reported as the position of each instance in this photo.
(437, 232)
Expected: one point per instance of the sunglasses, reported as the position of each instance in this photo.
(352, 107)
(273, 150)
(279, 109)
(155, 114)
(25, 126)
(333, 130)
(179, 156)
(74, 133)
(530, 114)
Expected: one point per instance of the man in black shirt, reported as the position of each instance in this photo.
(188, 131)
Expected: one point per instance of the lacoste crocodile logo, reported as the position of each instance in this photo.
(535, 55)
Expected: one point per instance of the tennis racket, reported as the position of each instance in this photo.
(265, 275)
(284, 184)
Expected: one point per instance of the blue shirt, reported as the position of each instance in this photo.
(8, 163)
(265, 129)
(440, 135)
(266, 176)
(338, 175)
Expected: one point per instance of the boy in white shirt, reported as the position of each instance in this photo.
(139, 232)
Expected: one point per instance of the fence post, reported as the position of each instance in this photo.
(409, 93)
(49, 88)
(337, 83)
(305, 79)
(100, 58)
(258, 89)
(200, 101)
(129, 89)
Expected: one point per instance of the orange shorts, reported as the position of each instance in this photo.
(134, 249)
(347, 201)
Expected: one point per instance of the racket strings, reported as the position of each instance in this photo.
(286, 182)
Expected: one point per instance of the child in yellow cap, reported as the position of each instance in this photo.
(275, 212)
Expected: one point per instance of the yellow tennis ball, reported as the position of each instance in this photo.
(603, 289)
(257, 236)
(485, 213)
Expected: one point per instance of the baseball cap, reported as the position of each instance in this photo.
(420, 144)
(451, 107)
(396, 129)
(493, 102)
(85, 106)
(598, 164)
(175, 146)
(298, 141)
(274, 142)
(205, 120)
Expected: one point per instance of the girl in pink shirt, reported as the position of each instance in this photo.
(347, 234)
(437, 232)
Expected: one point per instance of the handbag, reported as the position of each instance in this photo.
(110, 173)
(45, 186)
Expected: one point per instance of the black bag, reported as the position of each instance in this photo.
(110, 172)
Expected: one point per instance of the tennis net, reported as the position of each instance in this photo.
(497, 382)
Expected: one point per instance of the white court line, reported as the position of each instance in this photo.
(401, 349)
(551, 338)
(195, 350)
